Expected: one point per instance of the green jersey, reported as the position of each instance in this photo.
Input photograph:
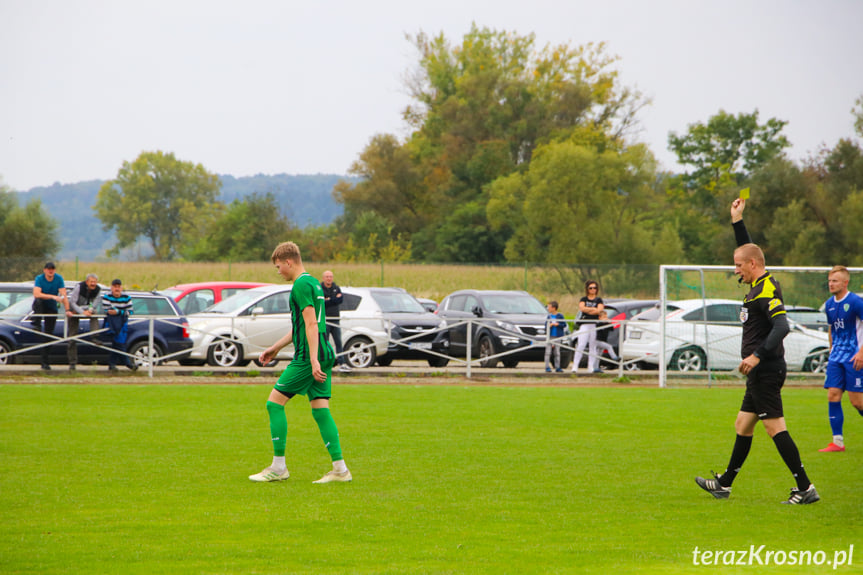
(306, 292)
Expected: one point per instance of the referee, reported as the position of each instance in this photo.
(764, 327)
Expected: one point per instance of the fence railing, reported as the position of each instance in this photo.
(469, 342)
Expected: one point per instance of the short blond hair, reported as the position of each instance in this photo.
(840, 270)
(751, 252)
(286, 251)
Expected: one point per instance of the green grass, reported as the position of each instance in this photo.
(447, 479)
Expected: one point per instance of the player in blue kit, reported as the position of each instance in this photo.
(845, 365)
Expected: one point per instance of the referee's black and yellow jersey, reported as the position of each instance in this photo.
(760, 307)
(306, 292)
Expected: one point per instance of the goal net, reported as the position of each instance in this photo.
(697, 339)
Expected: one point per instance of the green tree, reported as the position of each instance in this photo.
(586, 204)
(481, 108)
(246, 231)
(28, 234)
(857, 111)
(734, 144)
(169, 202)
(722, 154)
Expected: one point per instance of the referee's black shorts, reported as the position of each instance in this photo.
(763, 395)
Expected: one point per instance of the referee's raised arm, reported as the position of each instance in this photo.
(740, 232)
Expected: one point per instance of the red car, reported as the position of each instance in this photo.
(195, 297)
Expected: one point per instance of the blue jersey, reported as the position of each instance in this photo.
(846, 326)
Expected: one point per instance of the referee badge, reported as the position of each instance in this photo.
(744, 314)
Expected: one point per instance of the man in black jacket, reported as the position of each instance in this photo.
(333, 299)
(82, 302)
(765, 325)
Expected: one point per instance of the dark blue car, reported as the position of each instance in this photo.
(170, 333)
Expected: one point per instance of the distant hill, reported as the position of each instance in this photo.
(306, 200)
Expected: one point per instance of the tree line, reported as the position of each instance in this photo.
(516, 153)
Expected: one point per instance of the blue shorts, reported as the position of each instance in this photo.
(842, 375)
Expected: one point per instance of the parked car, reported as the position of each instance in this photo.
(808, 317)
(692, 344)
(503, 321)
(394, 315)
(429, 305)
(170, 333)
(196, 297)
(236, 330)
(12, 292)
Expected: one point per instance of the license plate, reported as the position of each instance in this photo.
(635, 335)
(420, 345)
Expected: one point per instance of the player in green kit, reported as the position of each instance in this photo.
(310, 371)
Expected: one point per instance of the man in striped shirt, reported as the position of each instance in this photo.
(310, 370)
(117, 307)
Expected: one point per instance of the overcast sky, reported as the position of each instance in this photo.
(278, 86)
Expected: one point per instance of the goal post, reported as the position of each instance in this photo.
(700, 331)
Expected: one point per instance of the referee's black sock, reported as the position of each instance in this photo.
(738, 456)
(791, 456)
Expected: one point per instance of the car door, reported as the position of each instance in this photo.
(264, 323)
(724, 332)
(458, 310)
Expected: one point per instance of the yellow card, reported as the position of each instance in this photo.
(744, 194)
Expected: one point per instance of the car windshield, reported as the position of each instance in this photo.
(513, 303)
(397, 302)
(171, 293)
(18, 309)
(652, 314)
(237, 301)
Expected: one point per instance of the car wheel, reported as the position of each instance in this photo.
(438, 361)
(688, 359)
(507, 362)
(817, 361)
(140, 352)
(273, 363)
(225, 353)
(385, 361)
(6, 348)
(360, 352)
(632, 366)
(486, 349)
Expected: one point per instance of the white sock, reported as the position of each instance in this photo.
(839, 440)
(339, 466)
(279, 463)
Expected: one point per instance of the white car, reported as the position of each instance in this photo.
(693, 343)
(236, 330)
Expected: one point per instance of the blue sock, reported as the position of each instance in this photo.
(837, 418)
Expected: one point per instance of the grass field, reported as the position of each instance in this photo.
(447, 479)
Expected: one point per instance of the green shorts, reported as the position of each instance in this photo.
(297, 379)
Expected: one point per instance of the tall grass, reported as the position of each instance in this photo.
(433, 281)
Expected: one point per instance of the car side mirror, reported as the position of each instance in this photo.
(477, 311)
(257, 311)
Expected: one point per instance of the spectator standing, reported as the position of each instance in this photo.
(333, 299)
(555, 330)
(48, 289)
(82, 302)
(117, 307)
(589, 308)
